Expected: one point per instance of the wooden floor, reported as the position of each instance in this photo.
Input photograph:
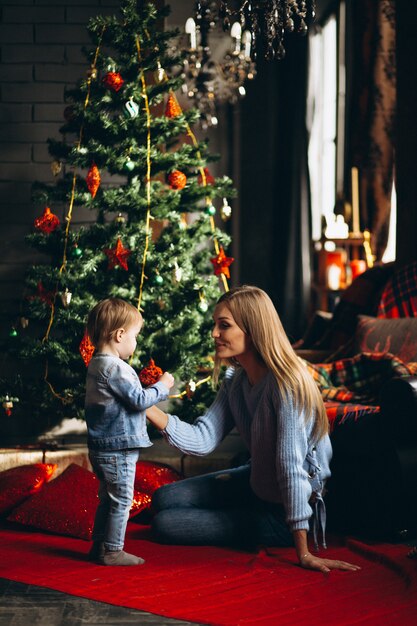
(23, 605)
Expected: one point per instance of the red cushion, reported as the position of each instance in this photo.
(67, 505)
(18, 483)
(151, 475)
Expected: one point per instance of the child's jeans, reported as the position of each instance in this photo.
(218, 509)
(116, 471)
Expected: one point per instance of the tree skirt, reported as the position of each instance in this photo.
(221, 586)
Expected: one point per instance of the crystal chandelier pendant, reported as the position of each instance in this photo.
(254, 27)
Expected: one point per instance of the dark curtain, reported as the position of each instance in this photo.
(370, 132)
(275, 225)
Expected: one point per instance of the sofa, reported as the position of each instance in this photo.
(364, 359)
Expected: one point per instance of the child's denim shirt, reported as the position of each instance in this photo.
(115, 404)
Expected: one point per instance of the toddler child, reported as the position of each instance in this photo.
(115, 404)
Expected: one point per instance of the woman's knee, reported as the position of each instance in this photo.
(161, 525)
(171, 496)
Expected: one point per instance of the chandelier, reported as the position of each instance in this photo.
(255, 28)
(210, 81)
(268, 21)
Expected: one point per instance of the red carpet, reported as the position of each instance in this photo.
(221, 586)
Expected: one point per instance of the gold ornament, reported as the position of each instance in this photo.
(120, 219)
(225, 211)
(92, 73)
(159, 74)
(56, 167)
(24, 322)
(66, 298)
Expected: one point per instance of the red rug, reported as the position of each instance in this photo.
(223, 587)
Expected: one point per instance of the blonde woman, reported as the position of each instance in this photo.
(270, 397)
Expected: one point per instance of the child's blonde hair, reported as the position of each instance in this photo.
(255, 314)
(108, 316)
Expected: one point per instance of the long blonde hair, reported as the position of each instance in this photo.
(255, 314)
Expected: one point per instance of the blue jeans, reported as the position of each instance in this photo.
(116, 473)
(218, 509)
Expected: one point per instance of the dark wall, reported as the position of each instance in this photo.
(40, 47)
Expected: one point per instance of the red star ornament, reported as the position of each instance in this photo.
(117, 255)
(45, 296)
(221, 263)
(86, 349)
(209, 178)
(47, 222)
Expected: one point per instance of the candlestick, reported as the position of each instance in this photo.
(355, 200)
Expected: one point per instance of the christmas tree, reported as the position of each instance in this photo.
(131, 158)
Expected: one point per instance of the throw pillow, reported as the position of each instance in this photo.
(67, 505)
(151, 475)
(396, 336)
(18, 483)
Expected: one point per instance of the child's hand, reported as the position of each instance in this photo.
(167, 379)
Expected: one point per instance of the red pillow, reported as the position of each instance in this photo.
(67, 505)
(151, 475)
(18, 483)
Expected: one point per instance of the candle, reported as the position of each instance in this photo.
(334, 275)
(191, 30)
(357, 266)
(355, 200)
(246, 40)
(236, 33)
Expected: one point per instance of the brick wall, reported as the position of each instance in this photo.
(40, 54)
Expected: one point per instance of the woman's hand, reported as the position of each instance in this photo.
(309, 561)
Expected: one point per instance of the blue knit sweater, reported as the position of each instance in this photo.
(278, 439)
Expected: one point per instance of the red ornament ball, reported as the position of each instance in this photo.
(47, 222)
(177, 179)
(150, 374)
(113, 81)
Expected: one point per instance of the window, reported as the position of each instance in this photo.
(322, 105)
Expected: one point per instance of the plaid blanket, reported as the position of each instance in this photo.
(360, 378)
(399, 298)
